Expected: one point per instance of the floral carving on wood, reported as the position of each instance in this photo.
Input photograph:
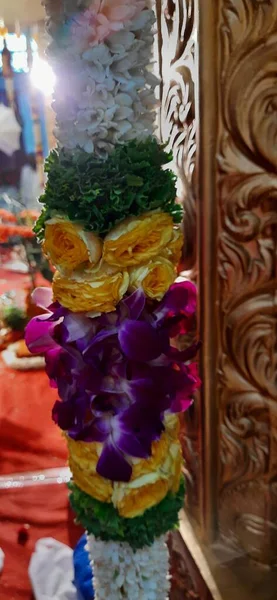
(247, 183)
(176, 41)
(186, 580)
(178, 72)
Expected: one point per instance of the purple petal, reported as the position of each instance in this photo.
(61, 367)
(42, 297)
(184, 355)
(135, 304)
(63, 415)
(57, 311)
(51, 359)
(181, 404)
(99, 340)
(133, 447)
(128, 443)
(91, 379)
(108, 403)
(109, 320)
(143, 430)
(183, 384)
(140, 341)
(135, 419)
(39, 335)
(96, 431)
(140, 389)
(180, 300)
(112, 464)
(76, 327)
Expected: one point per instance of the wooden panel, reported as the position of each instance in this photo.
(247, 270)
(219, 111)
(178, 126)
(187, 582)
(177, 31)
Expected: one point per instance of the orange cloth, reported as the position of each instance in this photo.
(29, 439)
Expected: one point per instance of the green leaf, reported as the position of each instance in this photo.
(100, 193)
(134, 181)
(104, 522)
(15, 318)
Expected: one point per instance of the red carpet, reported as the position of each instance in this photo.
(29, 441)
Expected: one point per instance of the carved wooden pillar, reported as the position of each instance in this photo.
(218, 63)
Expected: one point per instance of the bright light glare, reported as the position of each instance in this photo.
(43, 77)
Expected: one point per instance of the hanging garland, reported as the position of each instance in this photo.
(110, 227)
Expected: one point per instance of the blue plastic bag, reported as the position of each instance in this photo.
(82, 571)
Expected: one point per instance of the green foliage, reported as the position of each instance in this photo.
(104, 522)
(100, 193)
(15, 318)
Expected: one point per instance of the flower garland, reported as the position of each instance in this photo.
(110, 227)
(105, 92)
(138, 573)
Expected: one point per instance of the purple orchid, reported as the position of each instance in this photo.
(177, 309)
(117, 374)
(58, 326)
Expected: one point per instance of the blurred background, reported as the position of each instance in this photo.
(31, 449)
(26, 84)
(217, 61)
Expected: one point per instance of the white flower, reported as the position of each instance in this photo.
(120, 573)
(106, 94)
(98, 54)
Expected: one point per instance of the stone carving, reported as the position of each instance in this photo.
(247, 181)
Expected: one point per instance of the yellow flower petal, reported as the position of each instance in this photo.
(160, 450)
(172, 426)
(173, 250)
(177, 470)
(69, 247)
(151, 479)
(138, 500)
(138, 239)
(101, 291)
(83, 460)
(155, 277)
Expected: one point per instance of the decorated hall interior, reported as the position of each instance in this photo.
(138, 310)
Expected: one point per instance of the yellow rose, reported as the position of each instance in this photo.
(100, 291)
(172, 466)
(69, 247)
(177, 468)
(136, 500)
(173, 250)
(83, 459)
(151, 479)
(149, 465)
(155, 277)
(138, 239)
(172, 426)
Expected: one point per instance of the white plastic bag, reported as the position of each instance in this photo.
(51, 571)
